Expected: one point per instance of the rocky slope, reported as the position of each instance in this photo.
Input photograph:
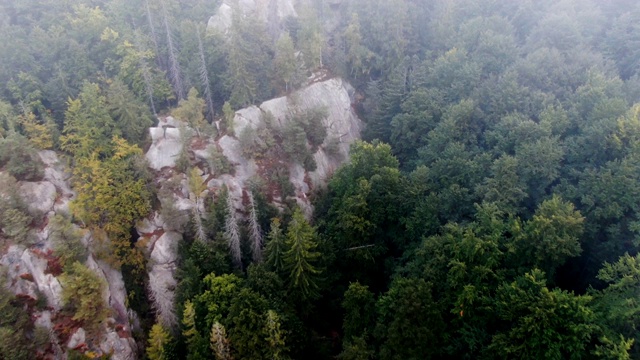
(31, 269)
(343, 128)
(33, 274)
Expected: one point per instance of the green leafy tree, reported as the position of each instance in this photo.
(616, 306)
(552, 235)
(359, 306)
(541, 323)
(88, 126)
(191, 110)
(409, 324)
(246, 325)
(131, 116)
(197, 345)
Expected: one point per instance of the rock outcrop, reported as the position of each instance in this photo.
(342, 126)
(32, 272)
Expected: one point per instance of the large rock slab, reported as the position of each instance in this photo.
(165, 147)
(39, 196)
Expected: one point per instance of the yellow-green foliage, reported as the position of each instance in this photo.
(112, 197)
(82, 292)
(159, 337)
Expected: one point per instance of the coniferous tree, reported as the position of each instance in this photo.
(197, 187)
(275, 247)
(284, 63)
(255, 231)
(191, 110)
(276, 337)
(300, 257)
(159, 337)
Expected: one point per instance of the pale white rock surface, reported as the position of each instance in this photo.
(119, 348)
(166, 145)
(39, 196)
(78, 337)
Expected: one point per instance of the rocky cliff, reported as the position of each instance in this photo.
(33, 270)
(342, 126)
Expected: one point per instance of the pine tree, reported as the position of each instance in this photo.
(219, 342)
(275, 337)
(300, 256)
(284, 64)
(229, 115)
(158, 338)
(197, 345)
(275, 247)
(196, 188)
(232, 232)
(255, 231)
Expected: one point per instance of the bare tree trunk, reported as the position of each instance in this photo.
(152, 28)
(174, 65)
(146, 76)
(232, 232)
(255, 232)
(204, 78)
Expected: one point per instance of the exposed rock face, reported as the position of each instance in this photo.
(28, 268)
(341, 123)
(165, 147)
(162, 239)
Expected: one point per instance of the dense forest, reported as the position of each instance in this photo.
(491, 210)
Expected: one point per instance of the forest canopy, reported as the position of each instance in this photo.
(491, 210)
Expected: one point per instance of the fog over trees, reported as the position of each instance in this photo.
(491, 209)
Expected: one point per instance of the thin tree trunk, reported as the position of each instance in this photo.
(174, 65)
(204, 77)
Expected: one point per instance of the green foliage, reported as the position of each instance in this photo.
(552, 235)
(20, 159)
(617, 306)
(541, 323)
(218, 163)
(158, 340)
(82, 294)
(409, 324)
(359, 307)
(285, 62)
(131, 116)
(67, 241)
(300, 258)
(275, 248)
(16, 340)
(191, 111)
(275, 337)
